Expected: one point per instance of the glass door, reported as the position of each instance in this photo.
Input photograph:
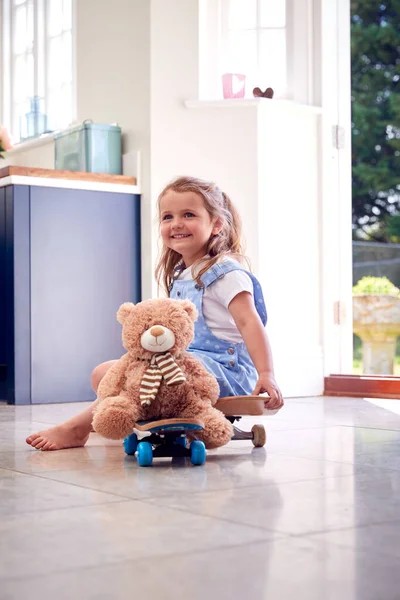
(375, 102)
(367, 299)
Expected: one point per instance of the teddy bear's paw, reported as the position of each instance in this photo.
(217, 432)
(113, 423)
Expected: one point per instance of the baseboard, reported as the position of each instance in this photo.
(363, 386)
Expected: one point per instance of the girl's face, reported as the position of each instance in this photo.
(186, 226)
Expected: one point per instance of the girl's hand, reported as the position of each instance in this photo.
(266, 383)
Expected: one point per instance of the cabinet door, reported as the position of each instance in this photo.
(15, 361)
(3, 296)
(85, 262)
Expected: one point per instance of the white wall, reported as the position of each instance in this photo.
(288, 243)
(113, 70)
(173, 79)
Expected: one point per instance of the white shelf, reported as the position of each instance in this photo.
(44, 139)
(264, 103)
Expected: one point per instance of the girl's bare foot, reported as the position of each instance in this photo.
(59, 437)
(73, 433)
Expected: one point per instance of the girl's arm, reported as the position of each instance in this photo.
(255, 337)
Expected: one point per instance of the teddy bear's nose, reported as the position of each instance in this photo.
(156, 331)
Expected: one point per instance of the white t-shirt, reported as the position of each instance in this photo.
(216, 299)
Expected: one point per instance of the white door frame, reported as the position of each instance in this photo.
(345, 186)
(332, 53)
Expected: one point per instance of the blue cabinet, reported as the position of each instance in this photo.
(68, 259)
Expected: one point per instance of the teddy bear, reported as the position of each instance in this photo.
(157, 378)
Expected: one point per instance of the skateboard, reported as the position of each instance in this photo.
(167, 437)
(164, 438)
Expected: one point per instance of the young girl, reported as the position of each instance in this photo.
(201, 260)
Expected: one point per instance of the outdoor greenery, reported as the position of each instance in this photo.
(375, 69)
(376, 285)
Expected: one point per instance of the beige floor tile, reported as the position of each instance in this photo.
(225, 469)
(286, 569)
(302, 507)
(20, 493)
(75, 538)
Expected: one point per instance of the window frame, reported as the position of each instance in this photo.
(40, 58)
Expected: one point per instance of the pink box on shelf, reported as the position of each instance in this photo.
(233, 85)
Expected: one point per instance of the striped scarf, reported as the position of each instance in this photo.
(162, 365)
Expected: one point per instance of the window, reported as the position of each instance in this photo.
(254, 42)
(269, 41)
(37, 64)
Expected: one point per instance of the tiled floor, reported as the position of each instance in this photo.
(313, 516)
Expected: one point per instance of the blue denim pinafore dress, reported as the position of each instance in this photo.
(229, 362)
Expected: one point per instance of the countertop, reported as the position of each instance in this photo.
(15, 175)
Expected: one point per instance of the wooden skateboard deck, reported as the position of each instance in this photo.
(233, 406)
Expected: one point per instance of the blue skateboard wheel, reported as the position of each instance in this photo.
(130, 444)
(197, 453)
(145, 454)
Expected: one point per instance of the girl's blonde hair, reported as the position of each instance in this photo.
(227, 242)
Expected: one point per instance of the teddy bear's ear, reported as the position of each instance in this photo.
(190, 309)
(124, 311)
